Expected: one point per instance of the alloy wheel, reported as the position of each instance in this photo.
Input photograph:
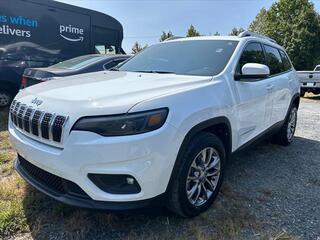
(292, 124)
(203, 176)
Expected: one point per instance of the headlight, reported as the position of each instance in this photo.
(125, 124)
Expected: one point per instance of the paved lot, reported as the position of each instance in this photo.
(270, 192)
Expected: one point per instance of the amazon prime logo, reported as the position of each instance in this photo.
(65, 32)
(37, 102)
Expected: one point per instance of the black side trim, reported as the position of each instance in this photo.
(264, 135)
(83, 202)
(195, 130)
(270, 131)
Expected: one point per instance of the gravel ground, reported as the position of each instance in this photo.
(270, 193)
(283, 183)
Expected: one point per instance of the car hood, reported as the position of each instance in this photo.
(104, 92)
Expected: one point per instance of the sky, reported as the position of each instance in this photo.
(144, 20)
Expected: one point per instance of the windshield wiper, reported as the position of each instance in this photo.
(160, 72)
(113, 69)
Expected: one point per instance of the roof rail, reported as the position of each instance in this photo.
(172, 38)
(252, 34)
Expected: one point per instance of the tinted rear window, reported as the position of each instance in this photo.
(274, 60)
(78, 62)
(286, 61)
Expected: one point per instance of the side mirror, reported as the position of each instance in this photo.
(253, 71)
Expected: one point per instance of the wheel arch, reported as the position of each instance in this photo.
(295, 100)
(220, 126)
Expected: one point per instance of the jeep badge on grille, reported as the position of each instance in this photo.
(36, 101)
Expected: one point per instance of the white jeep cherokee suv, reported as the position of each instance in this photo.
(161, 126)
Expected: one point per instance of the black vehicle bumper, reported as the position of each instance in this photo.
(78, 199)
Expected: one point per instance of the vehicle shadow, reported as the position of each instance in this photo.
(258, 171)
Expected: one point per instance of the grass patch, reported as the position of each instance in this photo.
(12, 217)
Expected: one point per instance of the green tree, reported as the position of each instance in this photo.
(216, 34)
(138, 48)
(165, 35)
(295, 25)
(192, 32)
(236, 31)
(260, 21)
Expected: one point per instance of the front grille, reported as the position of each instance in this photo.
(38, 123)
(54, 183)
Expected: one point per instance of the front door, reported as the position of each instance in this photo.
(253, 108)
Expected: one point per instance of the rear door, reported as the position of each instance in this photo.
(253, 109)
(280, 71)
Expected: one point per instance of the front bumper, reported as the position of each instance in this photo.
(148, 157)
(78, 199)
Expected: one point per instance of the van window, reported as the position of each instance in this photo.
(274, 60)
(253, 53)
(104, 49)
(285, 60)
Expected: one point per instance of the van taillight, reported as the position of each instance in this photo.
(24, 82)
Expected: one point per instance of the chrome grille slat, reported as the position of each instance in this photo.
(57, 127)
(44, 125)
(20, 115)
(26, 119)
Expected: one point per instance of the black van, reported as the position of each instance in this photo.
(39, 33)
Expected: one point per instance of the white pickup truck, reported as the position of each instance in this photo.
(310, 81)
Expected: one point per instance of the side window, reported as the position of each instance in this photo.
(285, 60)
(253, 53)
(274, 60)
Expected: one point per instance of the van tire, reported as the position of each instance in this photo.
(178, 201)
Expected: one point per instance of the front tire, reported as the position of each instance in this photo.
(286, 134)
(199, 179)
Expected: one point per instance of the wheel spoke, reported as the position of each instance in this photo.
(214, 173)
(192, 191)
(206, 192)
(198, 193)
(204, 156)
(191, 178)
(215, 162)
(210, 184)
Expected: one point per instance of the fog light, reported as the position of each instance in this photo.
(130, 180)
(115, 183)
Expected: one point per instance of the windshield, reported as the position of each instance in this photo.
(317, 69)
(78, 62)
(192, 57)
